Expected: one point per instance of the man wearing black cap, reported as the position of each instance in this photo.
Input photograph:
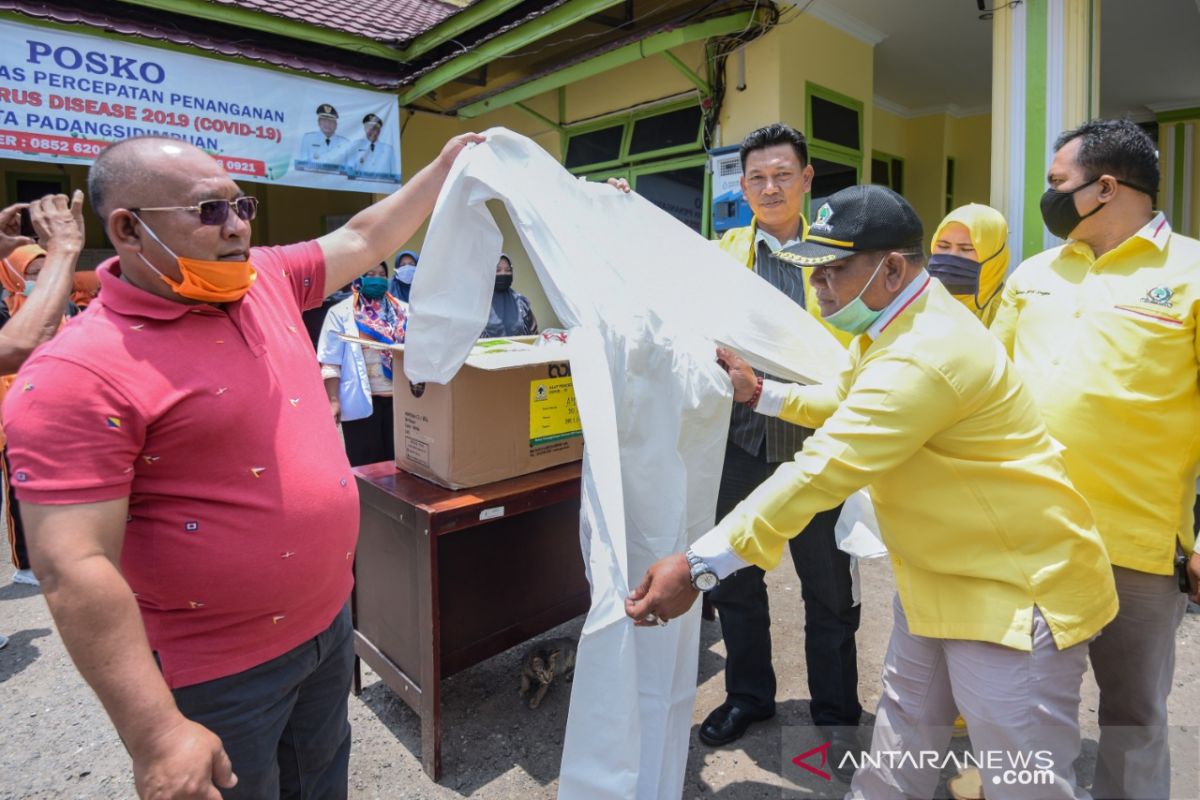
(1001, 576)
(369, 155)
(324, 145)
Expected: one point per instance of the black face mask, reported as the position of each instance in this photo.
(959, 275)
(1059, 212)
(504, 282)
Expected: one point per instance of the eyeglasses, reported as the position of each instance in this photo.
(215, 212)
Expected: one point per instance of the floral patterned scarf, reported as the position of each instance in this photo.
(383, 320)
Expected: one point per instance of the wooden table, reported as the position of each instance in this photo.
(445, 579)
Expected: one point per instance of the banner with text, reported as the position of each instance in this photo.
(64, 96)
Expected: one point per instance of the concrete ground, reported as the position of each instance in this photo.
(56, 741)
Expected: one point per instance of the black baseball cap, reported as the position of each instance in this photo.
(326, 110)
(854, 220)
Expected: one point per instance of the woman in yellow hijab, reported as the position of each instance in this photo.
(970, 257)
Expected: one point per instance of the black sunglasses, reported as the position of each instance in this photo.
(214, 212)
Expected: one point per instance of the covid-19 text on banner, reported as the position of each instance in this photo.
(64, 96)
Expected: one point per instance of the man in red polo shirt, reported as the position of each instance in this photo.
(173, 454)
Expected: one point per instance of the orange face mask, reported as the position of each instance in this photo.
(205, 281)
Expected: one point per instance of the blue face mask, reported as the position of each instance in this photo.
(30, 285)
(373, 287)
(855, 317)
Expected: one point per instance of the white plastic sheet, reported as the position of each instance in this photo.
(644, 298)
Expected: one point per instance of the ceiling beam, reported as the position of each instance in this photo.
(651, 45)
(564, 16)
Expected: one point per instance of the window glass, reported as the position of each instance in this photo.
(834, 123)
(679, 192)
(661, 131)
(596, 147)
(830, 177)
(880, 172)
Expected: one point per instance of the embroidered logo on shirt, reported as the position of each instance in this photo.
(113, 422)
(257, 471)
(137, 327)
(22, 475)
(195, 604)
(295, 401)
(27, 387)
(824, 214)
(1160, 296)
(150, 459)
(191, 526)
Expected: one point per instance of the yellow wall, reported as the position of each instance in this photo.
(889, 134)
(642, 81)
(758, 104)
(812, 51)
(289, 214)
(969, 143)
(925, 168)
(925, 143)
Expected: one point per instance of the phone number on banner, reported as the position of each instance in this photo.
(86, 148)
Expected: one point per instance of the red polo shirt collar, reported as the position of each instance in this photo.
(128, 300)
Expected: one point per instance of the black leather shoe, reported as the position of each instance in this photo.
(842, 741)
(728, 723)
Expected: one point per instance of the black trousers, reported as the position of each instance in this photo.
(370, 440)
(12, 510)
(830, 619)
(284, 723)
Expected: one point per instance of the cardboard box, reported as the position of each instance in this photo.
(509, 411)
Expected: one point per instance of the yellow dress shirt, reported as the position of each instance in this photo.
(1109, 348)
(973, 500)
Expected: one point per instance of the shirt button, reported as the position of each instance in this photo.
(1078, 314)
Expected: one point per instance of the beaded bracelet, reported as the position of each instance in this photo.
(753, 401)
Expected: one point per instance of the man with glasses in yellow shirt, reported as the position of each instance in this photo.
(1103, 329)
(1001, 576)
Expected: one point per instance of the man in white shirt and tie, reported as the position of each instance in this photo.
(324, 146)
(369, 155)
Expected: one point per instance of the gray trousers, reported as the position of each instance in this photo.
(1134, 661)
(1021, 708)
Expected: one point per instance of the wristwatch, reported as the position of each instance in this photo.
(703, 577)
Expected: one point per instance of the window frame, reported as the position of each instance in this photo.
(881, 155)
(700, 160)
(837, 157)
(950, 180)
(812, 90)
(628, 119)
(11, 179)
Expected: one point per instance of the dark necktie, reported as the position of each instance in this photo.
(327, 143)
(372, 147)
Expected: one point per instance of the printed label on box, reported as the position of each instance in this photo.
(552, 411)
(416, 451)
